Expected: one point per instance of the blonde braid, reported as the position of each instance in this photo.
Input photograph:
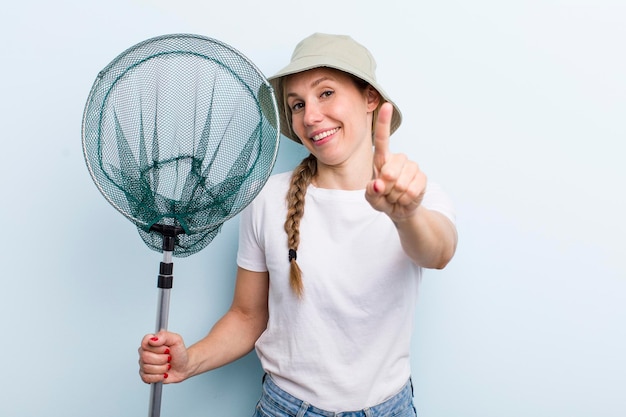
(300, 180)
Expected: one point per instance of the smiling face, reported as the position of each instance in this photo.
(332, 116)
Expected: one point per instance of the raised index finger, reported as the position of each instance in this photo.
(381, 136)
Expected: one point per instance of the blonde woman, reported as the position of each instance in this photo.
(330, 255)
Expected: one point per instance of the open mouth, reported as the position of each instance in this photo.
(325, 134)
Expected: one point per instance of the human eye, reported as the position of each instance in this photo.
(327, 93)
(297, 106)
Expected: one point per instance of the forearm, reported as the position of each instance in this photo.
(232, 337)
(428, 237)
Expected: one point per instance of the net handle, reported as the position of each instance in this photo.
(164, 284)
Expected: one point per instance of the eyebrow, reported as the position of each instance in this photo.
(315, 83)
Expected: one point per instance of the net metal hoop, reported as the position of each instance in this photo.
(108, 79)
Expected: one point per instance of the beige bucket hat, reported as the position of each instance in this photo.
(333, 51)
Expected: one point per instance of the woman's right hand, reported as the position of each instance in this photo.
(163, 358)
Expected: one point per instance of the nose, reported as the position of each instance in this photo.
(312, 114)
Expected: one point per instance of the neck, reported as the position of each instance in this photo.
(343, 177)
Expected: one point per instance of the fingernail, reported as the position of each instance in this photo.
(169, 358)
(154, 339)
(169, 366)
(165, 376)
(167, 351)
(375, 187)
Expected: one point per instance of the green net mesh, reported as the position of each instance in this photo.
(180, 130)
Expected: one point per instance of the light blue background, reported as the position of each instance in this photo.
(516, 107)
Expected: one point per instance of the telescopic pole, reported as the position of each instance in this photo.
(164, 284)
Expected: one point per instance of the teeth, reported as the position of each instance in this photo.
(324, 134)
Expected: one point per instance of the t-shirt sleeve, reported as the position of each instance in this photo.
(436, 199)
(251, 253)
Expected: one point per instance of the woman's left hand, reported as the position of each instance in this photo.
(398, 186)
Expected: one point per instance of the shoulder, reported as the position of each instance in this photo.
(278, 181)
(272, 194)
(277, 184)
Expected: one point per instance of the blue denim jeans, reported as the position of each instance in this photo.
(275, 402)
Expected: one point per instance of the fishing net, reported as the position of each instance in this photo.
(180, 131)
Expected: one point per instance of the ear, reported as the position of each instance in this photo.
(373, 98)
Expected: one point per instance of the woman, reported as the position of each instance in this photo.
(330, 255)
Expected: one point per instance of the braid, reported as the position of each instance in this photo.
(300, 180)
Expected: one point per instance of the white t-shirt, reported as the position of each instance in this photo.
(344, 345)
